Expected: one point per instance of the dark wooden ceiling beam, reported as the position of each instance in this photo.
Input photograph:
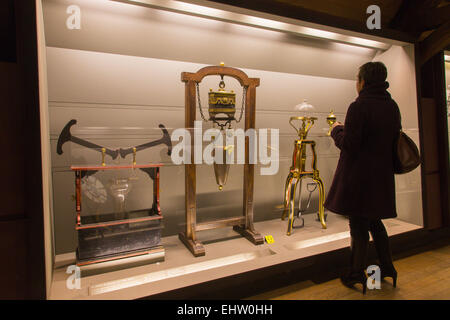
(437, 41)
(432, 19)
(420, 15)
(308, 15)
(351, 10)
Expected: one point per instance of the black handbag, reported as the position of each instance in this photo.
(406, 154)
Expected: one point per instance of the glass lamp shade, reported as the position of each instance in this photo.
(304, 108)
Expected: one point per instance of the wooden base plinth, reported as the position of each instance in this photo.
(197, 248)
(251, 235)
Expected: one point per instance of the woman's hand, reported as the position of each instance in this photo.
(337, 123)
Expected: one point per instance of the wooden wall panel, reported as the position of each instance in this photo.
(434, 140)
(13, 269)
(430, 140)
(11, 142)
(7, 31)
(22, 274)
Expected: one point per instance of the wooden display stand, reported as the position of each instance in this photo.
(242, 224)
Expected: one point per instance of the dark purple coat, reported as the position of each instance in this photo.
(364, 184)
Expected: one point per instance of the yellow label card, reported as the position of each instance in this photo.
(269, 239)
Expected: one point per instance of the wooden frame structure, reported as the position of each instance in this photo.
(242, 224)
(154, 253)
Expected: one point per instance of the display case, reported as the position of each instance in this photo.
(134, 97)
(131, 236)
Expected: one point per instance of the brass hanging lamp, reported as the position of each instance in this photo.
(222, 105)
(222, 110)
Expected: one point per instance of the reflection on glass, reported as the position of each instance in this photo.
(119, 189)
(94, 189)
(448, 100)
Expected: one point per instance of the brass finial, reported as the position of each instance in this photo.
(103, 156)
(331, 119)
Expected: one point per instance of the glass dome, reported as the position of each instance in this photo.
(304, 108)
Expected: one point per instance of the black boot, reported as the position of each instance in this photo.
(389, 272)
(382, 246)
(359, 247)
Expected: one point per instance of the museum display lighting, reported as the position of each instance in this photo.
(292, 27)
(317, 241)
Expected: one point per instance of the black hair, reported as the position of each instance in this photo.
(372, 73)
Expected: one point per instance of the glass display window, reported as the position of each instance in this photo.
(117, 119)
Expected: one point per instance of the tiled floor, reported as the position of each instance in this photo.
(422, 276)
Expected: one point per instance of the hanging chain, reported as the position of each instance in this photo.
(244, 95)
(199, 103)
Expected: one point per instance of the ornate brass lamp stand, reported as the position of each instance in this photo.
(298, 171)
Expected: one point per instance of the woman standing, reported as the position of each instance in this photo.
(363, 187)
